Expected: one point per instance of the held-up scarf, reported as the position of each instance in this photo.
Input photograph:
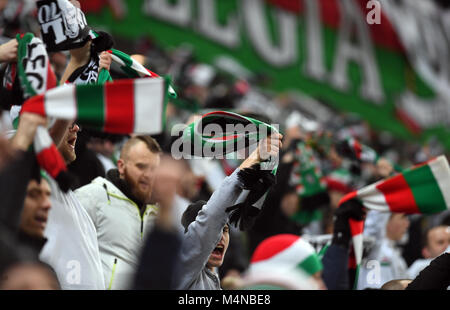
(226, 139)
(122, 106)
(36, 77)
(130, 67)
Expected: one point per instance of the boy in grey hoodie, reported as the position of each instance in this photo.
(206, 235)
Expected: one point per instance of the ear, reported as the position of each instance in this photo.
(426, 253)
(121, 166)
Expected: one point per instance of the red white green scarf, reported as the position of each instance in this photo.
(129, 66)
(122, 106)
(225, 141)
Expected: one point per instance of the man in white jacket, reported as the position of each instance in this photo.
(72, 248)
(119, 206)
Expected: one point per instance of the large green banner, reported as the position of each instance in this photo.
(381, 59)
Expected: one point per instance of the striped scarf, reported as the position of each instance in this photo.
(121, 107)
(310, 184)
(307, 174)
(36, 77)
(130, 67)
(201, 140)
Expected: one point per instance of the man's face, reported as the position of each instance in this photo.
(67, 145)
(36, 206)
(438, 241)
(217, 255)
(137, 168)
(397, 226)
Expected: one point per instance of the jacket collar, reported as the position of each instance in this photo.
(113, 177)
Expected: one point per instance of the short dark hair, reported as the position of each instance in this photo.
(425, 236)
(151, 144)
(191, 213)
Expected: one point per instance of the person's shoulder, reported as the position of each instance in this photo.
(94, 185)
(420, 262)
(94, 188)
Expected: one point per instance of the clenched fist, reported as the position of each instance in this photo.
(8, 51)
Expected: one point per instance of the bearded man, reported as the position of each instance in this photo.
(121, 210)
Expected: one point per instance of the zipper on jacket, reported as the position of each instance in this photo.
(142, 222)
(139, 211)
(112, 274)
(107, 194)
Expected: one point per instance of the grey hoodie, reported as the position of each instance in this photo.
(202, 237)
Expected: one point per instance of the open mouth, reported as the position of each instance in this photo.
(72, 142)
(41, 219)
(218, 250)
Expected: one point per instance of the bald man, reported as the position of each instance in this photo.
(120, 208)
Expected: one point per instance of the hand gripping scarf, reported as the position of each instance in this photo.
(232, 132)
(130, 67)
(421, 189)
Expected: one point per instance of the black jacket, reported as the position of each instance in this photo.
(434, 277)
(335, 271)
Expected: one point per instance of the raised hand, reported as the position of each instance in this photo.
(268, 147)
(105, 61)
(8, 51)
